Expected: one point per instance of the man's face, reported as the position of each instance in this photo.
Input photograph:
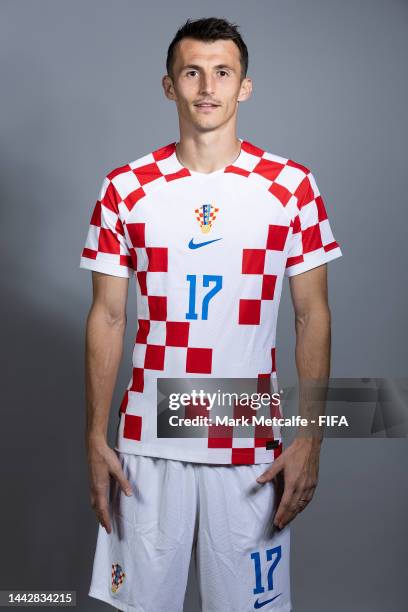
(206, 83)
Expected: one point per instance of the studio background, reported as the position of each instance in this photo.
(81, 95)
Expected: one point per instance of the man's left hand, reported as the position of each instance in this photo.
(300, 466)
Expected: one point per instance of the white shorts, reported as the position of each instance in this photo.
(217, 512)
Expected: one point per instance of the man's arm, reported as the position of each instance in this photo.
(105, 329)
(313, 342)
(300, 461)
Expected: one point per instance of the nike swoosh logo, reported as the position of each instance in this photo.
(194, 245)
(260, 604)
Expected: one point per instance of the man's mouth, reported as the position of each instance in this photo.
(206, 105)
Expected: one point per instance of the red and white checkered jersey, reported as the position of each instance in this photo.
(209, 253)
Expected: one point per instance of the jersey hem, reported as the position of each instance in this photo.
(151, 450)
(107, 268)
(313, 262)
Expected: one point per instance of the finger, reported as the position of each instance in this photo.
(104, 520)
(303, 499)
(121, 479)
(286, 519)
(271, 472)
(287, 508)
(102, 513)
(290, 512)
(298, 502)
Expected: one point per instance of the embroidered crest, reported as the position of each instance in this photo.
(206, 216)
(118, 576)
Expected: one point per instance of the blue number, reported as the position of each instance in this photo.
(270, 553)
(207, 279)
(191, 314)
(258, 575)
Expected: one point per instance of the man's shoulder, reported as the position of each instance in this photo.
(285, 178)
(276, 160)
(147, 163)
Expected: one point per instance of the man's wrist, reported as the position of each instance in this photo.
(313, 441)
(95, 438)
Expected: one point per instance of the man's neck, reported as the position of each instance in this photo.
(208, 152)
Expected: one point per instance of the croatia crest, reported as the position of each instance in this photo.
(118, 576)
(206, 216)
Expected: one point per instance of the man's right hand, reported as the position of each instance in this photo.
(104, 463)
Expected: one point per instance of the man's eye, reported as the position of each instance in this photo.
(223, 73)
(191, 72)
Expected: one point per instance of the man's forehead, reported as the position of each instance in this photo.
(191, 51)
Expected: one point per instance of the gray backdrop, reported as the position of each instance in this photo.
(81, 95)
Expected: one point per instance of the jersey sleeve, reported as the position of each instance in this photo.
(105, 248)
(311, 242)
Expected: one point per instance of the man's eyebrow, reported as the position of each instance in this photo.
(217, 67)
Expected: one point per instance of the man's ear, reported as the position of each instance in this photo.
(245, 90)
(168, 87)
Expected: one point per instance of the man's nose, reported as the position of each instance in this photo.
(207, 83)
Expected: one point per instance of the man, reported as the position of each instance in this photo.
(208, 226)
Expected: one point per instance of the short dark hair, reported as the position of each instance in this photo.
(209, 29)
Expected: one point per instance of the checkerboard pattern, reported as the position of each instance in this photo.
(124, 239)
(253, 262)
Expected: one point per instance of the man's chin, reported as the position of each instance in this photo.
(207, 126)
